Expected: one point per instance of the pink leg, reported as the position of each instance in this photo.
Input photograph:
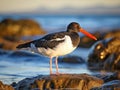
(56, 63)
(50, 65)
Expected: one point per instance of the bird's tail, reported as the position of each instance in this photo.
(23, 45)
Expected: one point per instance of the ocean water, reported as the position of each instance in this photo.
(14, 68)
(54, 23)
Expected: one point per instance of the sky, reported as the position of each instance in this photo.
(26, 6)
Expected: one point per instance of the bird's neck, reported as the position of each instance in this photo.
(75, 38)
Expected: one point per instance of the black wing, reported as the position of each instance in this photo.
(48, 41)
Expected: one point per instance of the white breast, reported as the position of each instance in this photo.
(65, 47)
(61, 49)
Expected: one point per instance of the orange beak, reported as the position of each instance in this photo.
(88, 34)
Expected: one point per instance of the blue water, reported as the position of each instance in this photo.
(15, 68)
(53, 23)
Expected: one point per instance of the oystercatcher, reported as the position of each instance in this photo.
(57, 44)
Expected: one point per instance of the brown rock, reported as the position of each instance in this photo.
(11, 32)
(112, 85)
(111, 81)
(105, 55)
(17, 28)
(112, 62)
(5, 87)
(112, 33)
(8, 45)
(109, 77)
(63, 81)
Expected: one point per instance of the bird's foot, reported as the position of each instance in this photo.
(56, 74)
(53, 74)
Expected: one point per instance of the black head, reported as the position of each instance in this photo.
(73, 27)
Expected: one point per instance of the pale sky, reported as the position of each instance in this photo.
(7, 6)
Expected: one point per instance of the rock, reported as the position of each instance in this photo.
(109, 76)
(71, 59)
(112, 85)
(111, 81)
(112, 33)
(5, 87)
(105, 55)
(10, 28)
(8, 45)
(14, 84)
(11, 32)
(63, 81)
(112, 62)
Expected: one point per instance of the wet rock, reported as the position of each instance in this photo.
(111, 34)
(1, 45)
(112, 85)
(5, 87)
(14, 84)
(11, 32)
(63, 81)
(10, 28)
(111, 81)
(109, 76)
(71, 59)
(8, 45)
(105, 55)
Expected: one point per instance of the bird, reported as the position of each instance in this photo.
(57, 44)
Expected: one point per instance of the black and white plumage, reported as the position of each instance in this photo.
(56, 44)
